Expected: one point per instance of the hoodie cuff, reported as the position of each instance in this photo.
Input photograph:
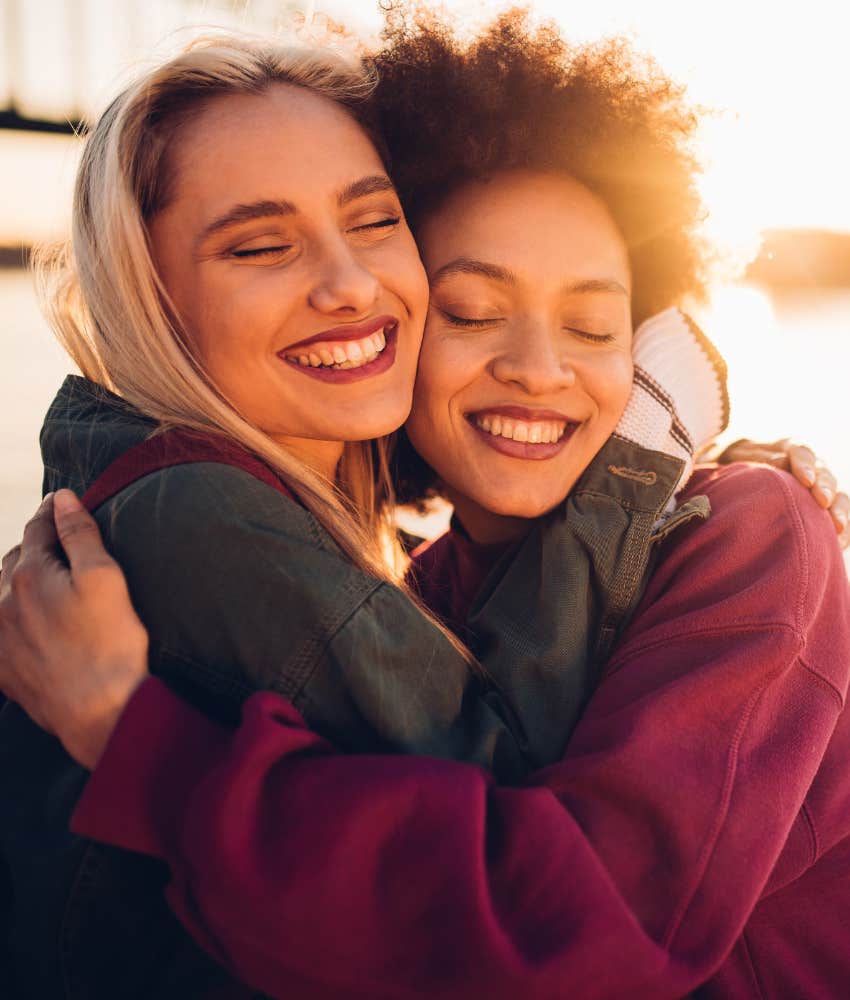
(157, 753)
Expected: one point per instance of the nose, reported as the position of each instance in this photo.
(341, 282)
(534, 358)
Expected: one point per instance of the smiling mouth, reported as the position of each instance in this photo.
(524, 431)
(342, 355)
(517, 432)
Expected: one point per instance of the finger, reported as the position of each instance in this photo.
(10, 560)
(78, 532)
(840, 514)
(753, 451)
(803, 464)
(765, 455)
(844, 538)
(40, 533)
(825, 488)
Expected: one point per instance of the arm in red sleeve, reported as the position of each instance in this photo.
(628, 869)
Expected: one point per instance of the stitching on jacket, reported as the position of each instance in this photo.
(813, 833)
(752, 967)
(800, 538)
(646, 477)
(354, 595)
(823, 680)
(726, 797)
(665, 640)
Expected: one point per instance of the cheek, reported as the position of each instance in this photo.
(440, 375)
(400, 270)
(614, 385)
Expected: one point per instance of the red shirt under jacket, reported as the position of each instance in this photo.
(697, 830)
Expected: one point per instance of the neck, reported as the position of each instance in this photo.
(483, 526)
(321, 456)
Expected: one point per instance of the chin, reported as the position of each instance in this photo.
(524, 507)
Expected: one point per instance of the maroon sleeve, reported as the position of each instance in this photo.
(628, 869)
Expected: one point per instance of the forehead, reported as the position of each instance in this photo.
(279, 142)
(537, 224)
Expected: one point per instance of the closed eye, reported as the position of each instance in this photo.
(381, 224)
(468, 322)
(596, 338)
(262, 251)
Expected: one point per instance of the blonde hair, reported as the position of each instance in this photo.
(109, 309)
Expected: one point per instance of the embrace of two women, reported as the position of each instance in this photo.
(591, 741)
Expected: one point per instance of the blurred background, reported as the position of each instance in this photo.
(777, 178)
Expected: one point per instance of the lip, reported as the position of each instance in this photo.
(342, 333)
(384, 361)
(516, 412)
(522, 449)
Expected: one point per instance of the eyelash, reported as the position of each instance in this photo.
(596, 338)
(268, 251)
(261, 251)
(467, 323)
(383, 224)
(605, 338)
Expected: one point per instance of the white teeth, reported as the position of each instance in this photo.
(524, 431)
(343, 355)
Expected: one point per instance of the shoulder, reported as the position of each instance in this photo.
(207, 521)
(758, 510)
(765, 555)
(231, 577)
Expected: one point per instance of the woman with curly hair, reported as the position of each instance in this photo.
(695, 830)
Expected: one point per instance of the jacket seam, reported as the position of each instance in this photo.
(824, 680)
(752, 967)
(698, 633)
(800, 538)
(303, 669)
(629, 505)
(812, 831)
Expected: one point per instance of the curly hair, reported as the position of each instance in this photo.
(454, 111)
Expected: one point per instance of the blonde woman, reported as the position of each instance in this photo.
(260, 313)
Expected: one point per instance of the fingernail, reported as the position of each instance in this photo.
(841, 517)
(65, 502)
(808, 474)
(827, 494)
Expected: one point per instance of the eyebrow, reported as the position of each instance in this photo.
(264, 209)
(495, 272)
(276, 208)
(366, 185)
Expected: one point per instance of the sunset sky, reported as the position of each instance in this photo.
(778, 75)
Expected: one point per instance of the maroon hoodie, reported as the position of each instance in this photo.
(695, 834)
